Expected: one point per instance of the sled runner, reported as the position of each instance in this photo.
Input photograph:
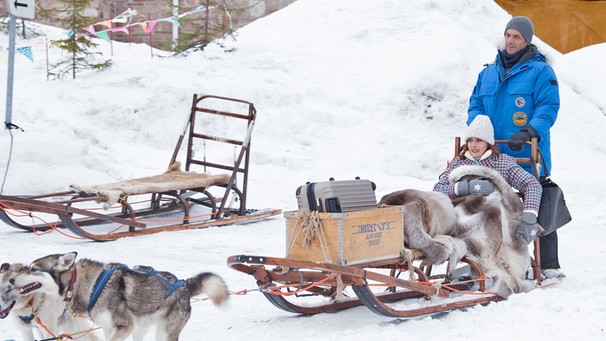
(206, 193)
(336, 261)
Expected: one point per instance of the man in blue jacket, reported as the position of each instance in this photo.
(519, 92)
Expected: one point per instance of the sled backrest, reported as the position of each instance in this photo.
(534, 160)
(223, 123)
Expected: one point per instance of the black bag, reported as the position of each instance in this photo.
(553, 212)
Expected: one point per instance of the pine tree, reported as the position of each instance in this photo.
(78, 45)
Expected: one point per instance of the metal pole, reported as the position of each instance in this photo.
(11, 68)
(175, 32)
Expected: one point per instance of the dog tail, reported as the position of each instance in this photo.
(210, 284)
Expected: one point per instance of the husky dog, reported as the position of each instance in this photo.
(125, 301)
(429, 222)
(488, 225)
(32, 309)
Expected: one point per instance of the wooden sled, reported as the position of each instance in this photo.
(350, 267)
(359, 258)
(147, 205)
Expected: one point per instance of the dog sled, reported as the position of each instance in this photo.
(210, 191)
(361, 258)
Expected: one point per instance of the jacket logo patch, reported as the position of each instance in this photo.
(520, 102)
(520, 119)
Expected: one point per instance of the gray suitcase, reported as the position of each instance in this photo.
(337, 196)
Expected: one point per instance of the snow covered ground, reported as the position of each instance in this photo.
(343, 89)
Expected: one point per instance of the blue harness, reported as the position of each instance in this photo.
(107, 273)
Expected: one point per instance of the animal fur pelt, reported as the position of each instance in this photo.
(481, 228)
(488, 225)
(172, 180)
(429, 223)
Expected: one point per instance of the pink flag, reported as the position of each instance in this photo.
(150, 26)
(90, 29)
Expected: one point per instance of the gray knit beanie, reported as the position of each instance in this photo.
(522, 25)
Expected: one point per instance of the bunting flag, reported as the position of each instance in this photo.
(107, 23)
(125, 16)
(197, 9)
(148, 26)
(90, 29)
(4, 56)
(171, 20)
(121, 29)
(103, 35)
(26, 51)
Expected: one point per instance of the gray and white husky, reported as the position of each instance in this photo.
(124, 301)
(30, 308)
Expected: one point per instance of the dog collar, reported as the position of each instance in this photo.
(27, 319)
(70, 287)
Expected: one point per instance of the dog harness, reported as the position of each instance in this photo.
(107, 273)
(171, 287)
(100, 285)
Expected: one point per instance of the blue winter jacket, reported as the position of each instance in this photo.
(527, 95)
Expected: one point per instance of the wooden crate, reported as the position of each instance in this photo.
(351, 238)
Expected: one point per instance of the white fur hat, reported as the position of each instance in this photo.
(481, 128)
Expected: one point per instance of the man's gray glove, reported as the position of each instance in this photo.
(473, 186)
(528, 229)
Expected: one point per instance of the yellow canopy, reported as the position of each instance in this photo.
(566, 25)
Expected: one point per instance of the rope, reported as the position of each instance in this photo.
(309, 225)
(62, 337)
(339, 295)
(407, 256)
(275, 289)
(239, 293)
(10, 127)
(20, 214)
(37, 319)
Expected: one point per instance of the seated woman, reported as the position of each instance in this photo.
(479, 149)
